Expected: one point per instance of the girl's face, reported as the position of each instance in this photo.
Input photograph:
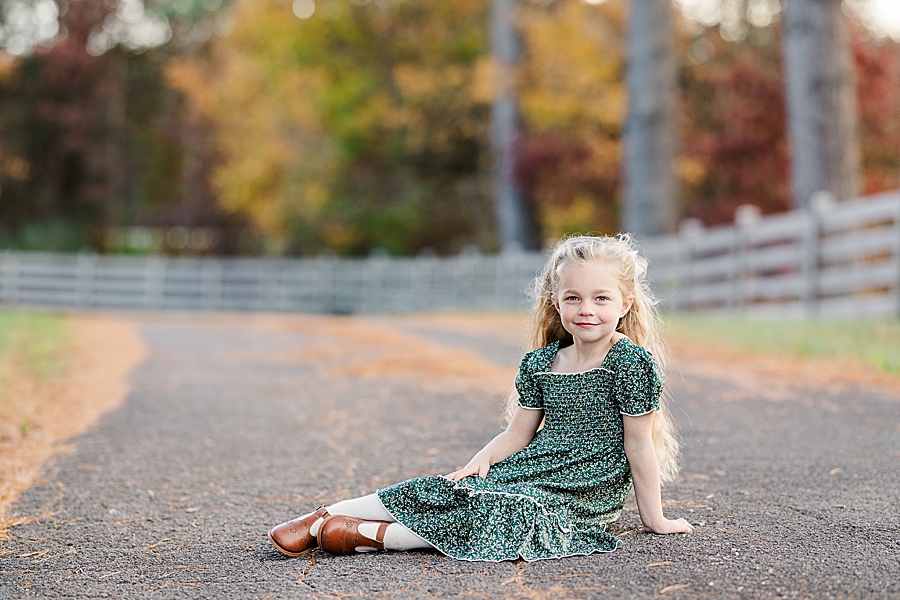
(590, 302)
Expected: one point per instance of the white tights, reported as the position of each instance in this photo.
(369, 508)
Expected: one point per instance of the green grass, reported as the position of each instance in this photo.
(33, 341)
(874, 342)
(33, 346)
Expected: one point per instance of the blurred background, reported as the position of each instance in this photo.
(409, 127)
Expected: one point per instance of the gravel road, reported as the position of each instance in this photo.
(234, 424)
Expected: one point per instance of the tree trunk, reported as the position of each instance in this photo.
(513, 223)
(650, 202)
(120, 211)
(821, 101)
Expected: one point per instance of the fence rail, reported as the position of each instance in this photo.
(329, 285)
(831, 260)
(834, 260)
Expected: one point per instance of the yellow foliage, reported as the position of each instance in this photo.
(692, 171)
(312, 114)
(573, 96)
(574, 217)
(9, 68)
(484, 79)
(298, 104)
(14, 166)
(277, 159)
(574, 67)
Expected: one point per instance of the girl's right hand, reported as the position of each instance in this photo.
(477, 466)
(672, 526)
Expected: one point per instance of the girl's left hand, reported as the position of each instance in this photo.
(672, 526)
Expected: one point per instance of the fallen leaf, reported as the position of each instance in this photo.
(152, 546)
(192, 509)
(672, 588)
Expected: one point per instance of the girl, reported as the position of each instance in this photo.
(593, 379)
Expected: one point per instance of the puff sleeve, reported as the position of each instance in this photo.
(530, 393)
(639, 383)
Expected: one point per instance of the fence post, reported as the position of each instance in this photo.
(155, 282)
(688, 231)
(746, 216)
(504, 260)
(736, 292)
(896, 251)
(809, 265)
(84, 279)
(506, 270)
(266, 284)
(211, 272)
(422, 272)
(9, 286)
(819, 203)
(377, 294)
(463, 281)
(327, 283)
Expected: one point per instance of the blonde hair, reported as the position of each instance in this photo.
(641, 323)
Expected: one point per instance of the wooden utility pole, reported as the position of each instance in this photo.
(821, 101)
(513, 223)
(650, 201)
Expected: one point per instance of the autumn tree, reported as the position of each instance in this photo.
(363, 126)
(573, 105)
(92, 140)
(878, 98)
(352, 128)
(733, 130)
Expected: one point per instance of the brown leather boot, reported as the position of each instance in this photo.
(293, 538)
(340, 535)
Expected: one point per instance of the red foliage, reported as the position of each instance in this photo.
(878, 97)
(733, 132)
(557, 169)
(734, 129)
(71, 101)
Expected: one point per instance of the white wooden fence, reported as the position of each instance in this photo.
(329, 285)
(835, 260)
(832, 260)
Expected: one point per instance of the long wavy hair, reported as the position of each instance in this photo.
(642, 323)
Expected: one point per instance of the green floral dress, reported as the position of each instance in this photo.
(554, 497)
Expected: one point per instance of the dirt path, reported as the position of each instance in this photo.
(104, 352)
(235, 423)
